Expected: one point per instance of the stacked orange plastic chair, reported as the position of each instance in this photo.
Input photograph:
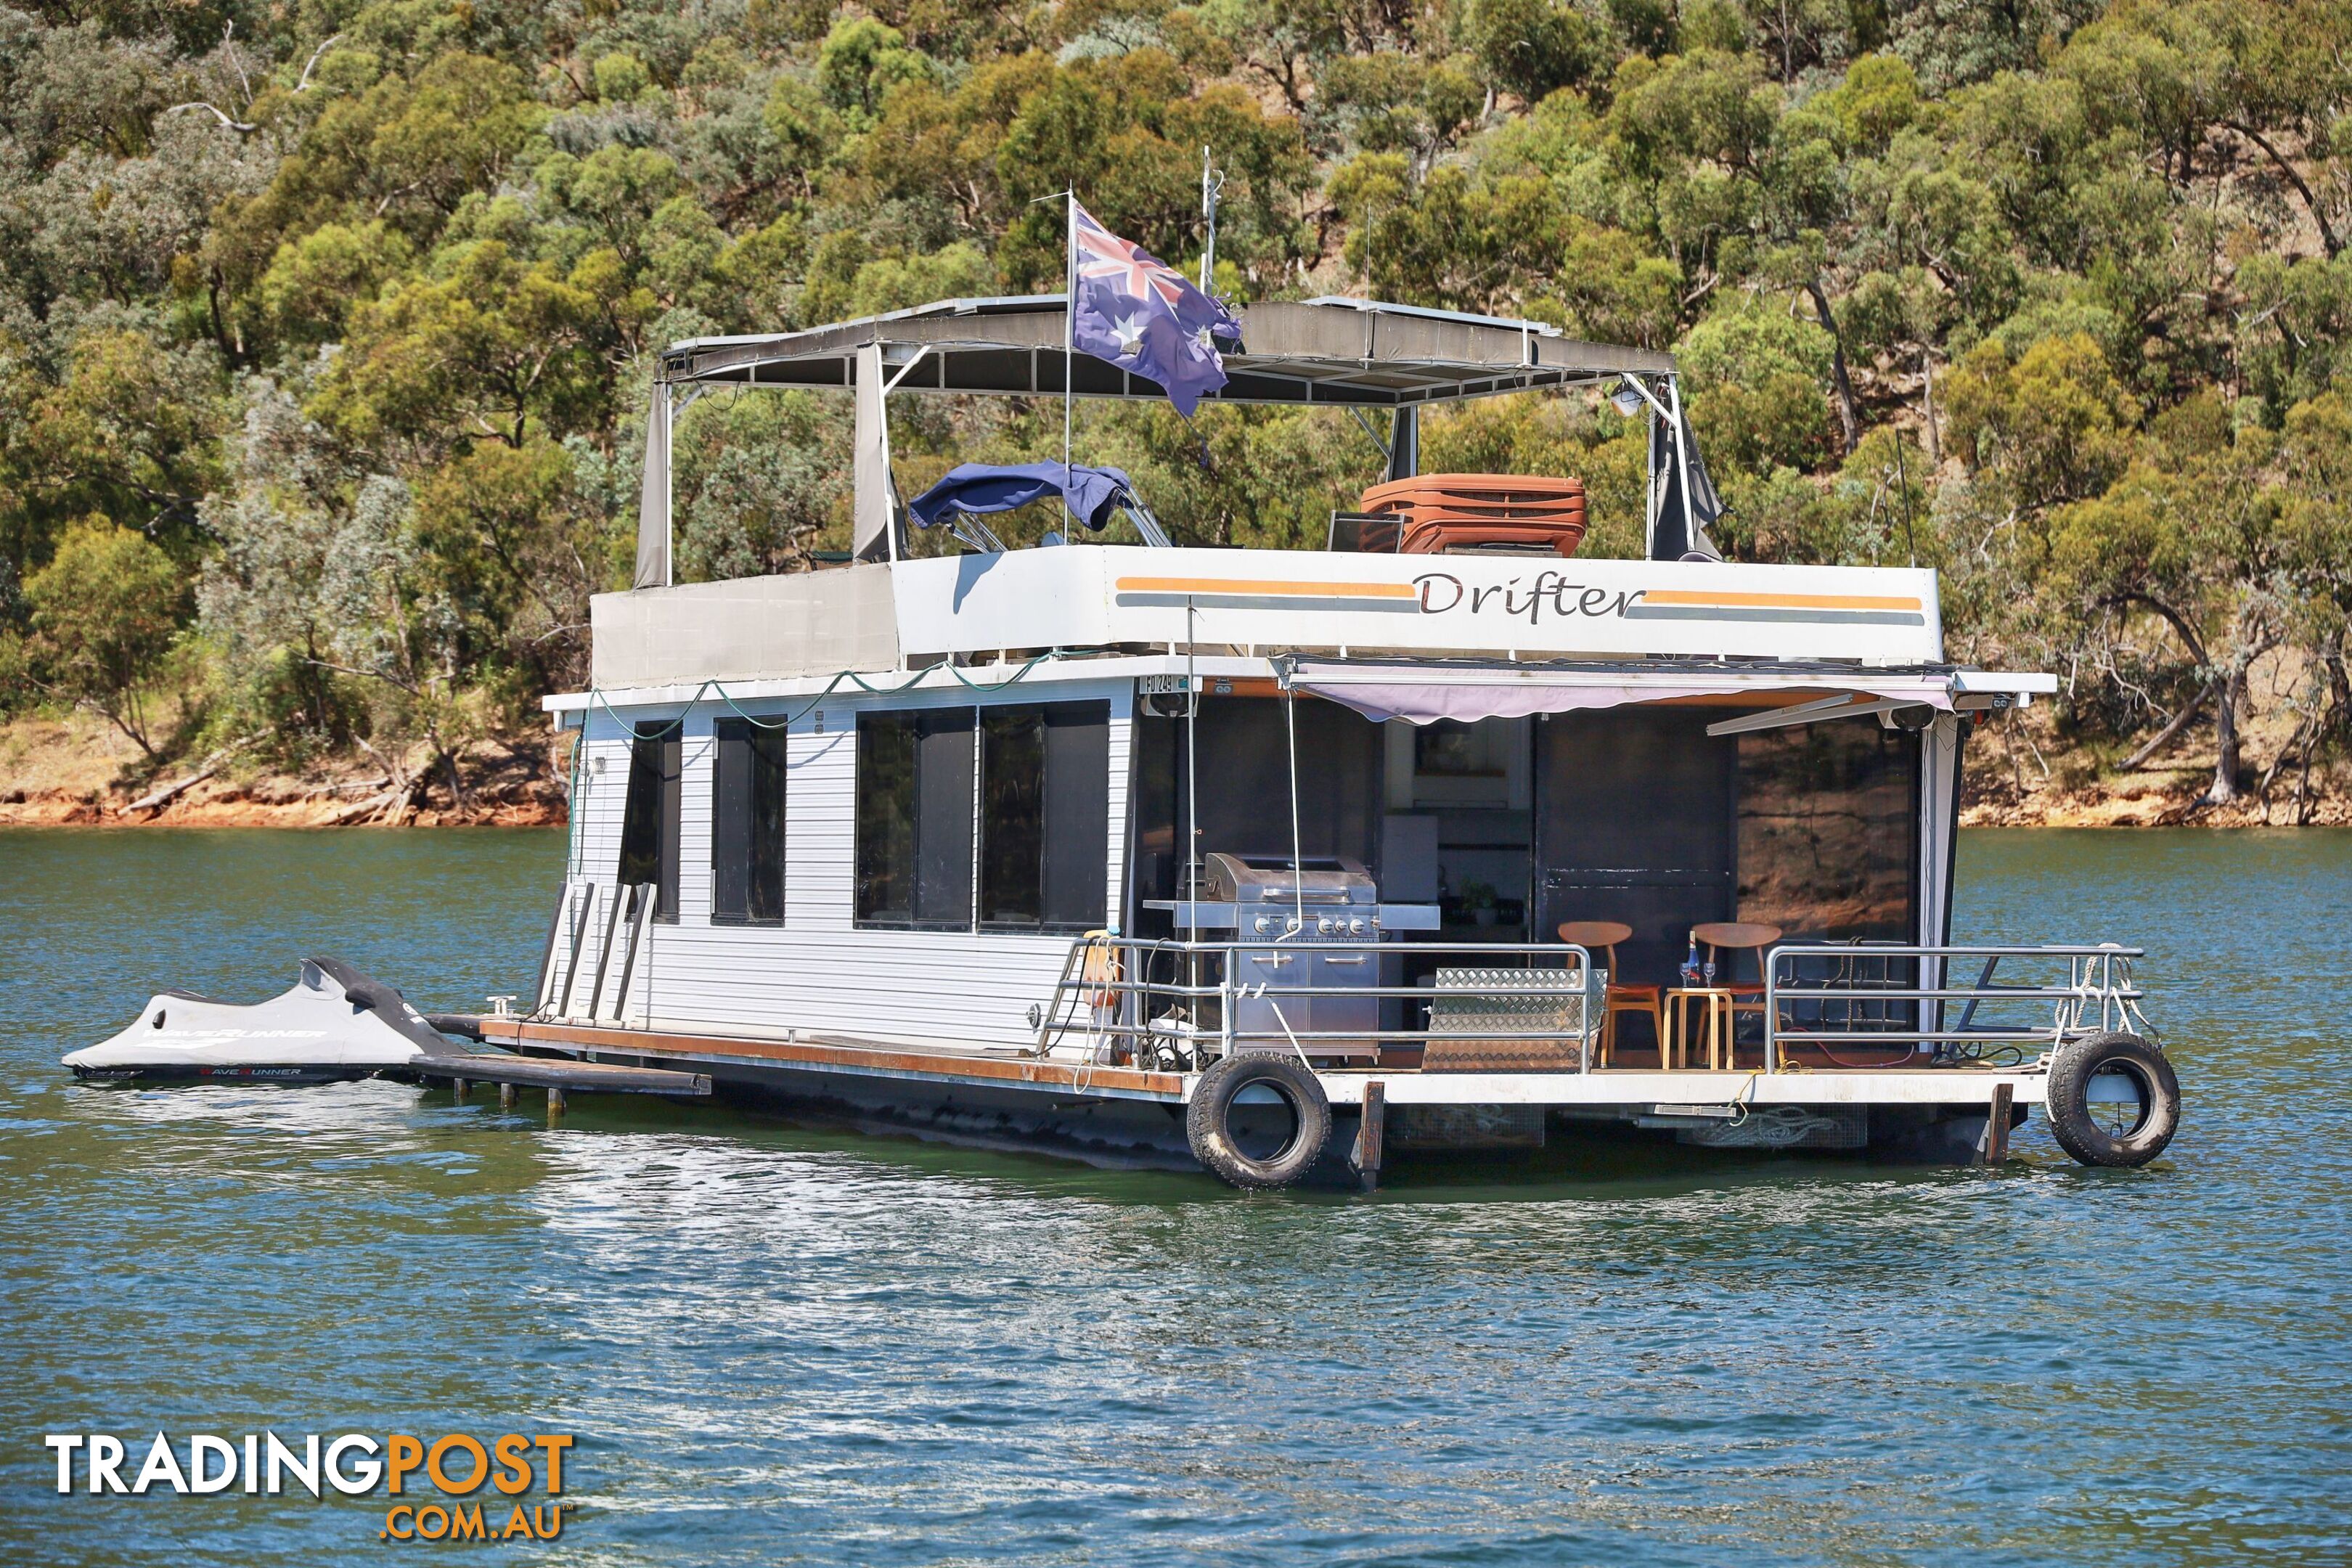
(1436, 512)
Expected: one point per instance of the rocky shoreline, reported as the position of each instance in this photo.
(243, 806)
(55, 774)
(282, 802)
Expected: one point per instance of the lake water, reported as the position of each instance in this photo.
(779, 1346)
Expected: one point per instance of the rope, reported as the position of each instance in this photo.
(1739, 1095)
(662, 730)
(1298, 855)
(1285, 1028)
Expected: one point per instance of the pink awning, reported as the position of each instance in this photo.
(1426, 694)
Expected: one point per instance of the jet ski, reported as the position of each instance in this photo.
(335, 1024)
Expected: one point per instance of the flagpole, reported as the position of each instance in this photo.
(1069, 336)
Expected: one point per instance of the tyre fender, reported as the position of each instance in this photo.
(1209, 1119)
(2112, 1061)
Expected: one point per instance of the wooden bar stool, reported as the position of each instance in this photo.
(1744, 996)
(1602, 936)
(1716, 1031)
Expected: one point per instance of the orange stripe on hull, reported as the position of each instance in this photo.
(1777, 601)
(1260, 589)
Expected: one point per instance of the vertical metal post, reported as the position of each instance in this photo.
(670, 492)
(505, 1097)
(457, 1090)
(1653, 495)
(580, 923)
(1584, 1015)
(1069, 336)
(555, 1101)
(1210, 184)
(1682, 464)
(1224, 999)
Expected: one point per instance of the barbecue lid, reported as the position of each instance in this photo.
(1316, 879)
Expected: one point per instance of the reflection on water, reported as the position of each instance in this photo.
(783, 1344)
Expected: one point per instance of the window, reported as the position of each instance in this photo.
(1045, 816)
(915, 779)
(649, 814)
(747, 824)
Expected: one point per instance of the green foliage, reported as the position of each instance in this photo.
(105, 611)
(347, 318)
(1757, 386)
(2054, 426)
(1532, 46)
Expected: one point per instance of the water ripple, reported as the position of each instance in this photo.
(787, 1345)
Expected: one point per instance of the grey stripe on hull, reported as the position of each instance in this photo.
(1812, 617)
(1213, 601)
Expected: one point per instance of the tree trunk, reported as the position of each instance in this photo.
(2224, 790)
(1927, 406)
(2171, 733)
(458, 799)
(1849, 417)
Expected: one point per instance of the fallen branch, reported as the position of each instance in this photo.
(363, 809)
(2169, 733)
(212, 764)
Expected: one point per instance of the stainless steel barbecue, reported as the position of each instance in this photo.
(1284, 991)
(1267, 893)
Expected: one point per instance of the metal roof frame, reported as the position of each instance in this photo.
(1327, 353)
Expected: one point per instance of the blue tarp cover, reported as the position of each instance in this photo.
(1093, 493)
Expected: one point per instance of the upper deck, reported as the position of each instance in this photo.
(1127, 599)
(891, 610)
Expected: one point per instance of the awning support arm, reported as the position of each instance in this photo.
(1842, 706)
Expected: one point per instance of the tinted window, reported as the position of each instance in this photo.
(1044, 815)
(915, 780)
(649, 814)
(885, 818)
(746, 832)
(1012, 817)
(943, 791)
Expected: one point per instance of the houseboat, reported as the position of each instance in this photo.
(1442, 837)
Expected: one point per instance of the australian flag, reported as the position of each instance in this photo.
(1132, 308)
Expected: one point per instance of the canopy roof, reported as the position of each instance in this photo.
(1093, 494)
(1332, 351)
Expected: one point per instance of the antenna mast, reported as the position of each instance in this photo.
(1213, 185)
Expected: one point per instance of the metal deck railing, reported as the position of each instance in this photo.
(595, 924)
(1178, 1005)
(1880, 995)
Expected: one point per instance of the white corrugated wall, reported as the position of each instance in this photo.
(818, 972)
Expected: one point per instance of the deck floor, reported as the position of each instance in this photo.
(1948, 1085)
